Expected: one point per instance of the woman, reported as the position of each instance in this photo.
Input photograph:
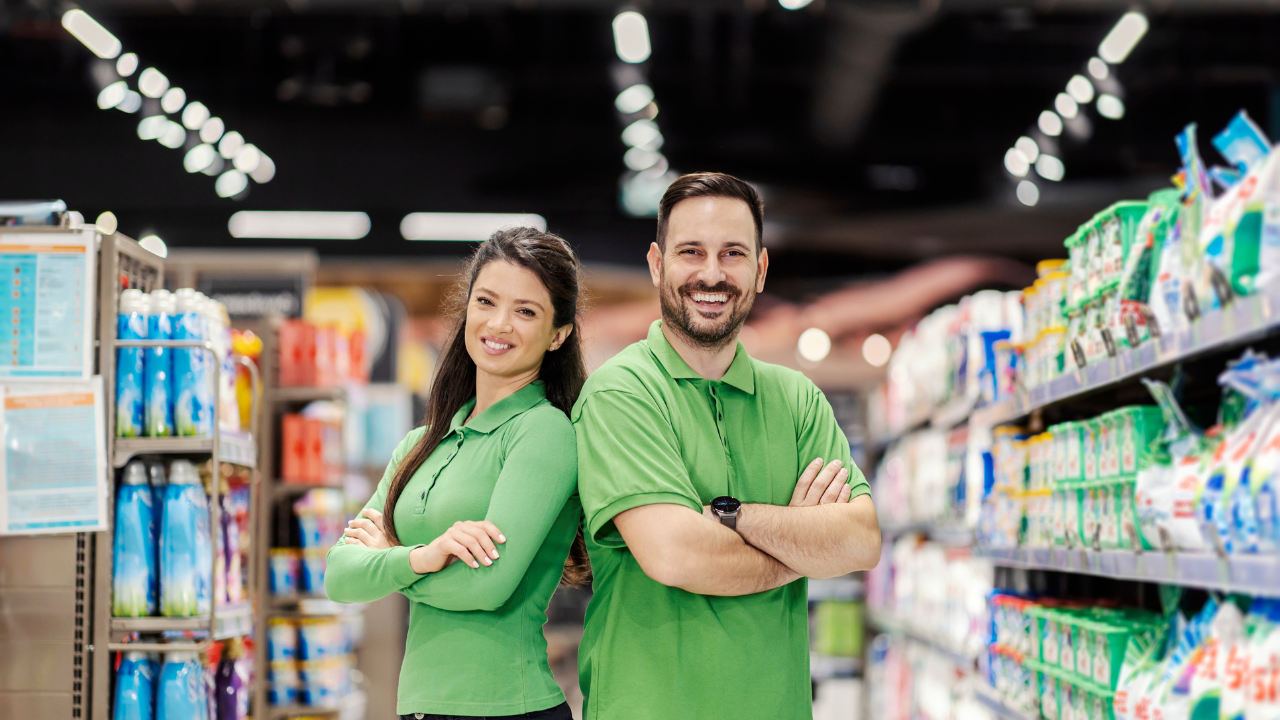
(493, 466)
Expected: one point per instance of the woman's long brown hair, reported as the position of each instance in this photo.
(563, 372)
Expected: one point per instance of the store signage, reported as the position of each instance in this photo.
(255, 297)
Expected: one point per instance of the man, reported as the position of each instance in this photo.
(699, 532)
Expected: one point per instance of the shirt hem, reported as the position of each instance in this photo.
(436, 707)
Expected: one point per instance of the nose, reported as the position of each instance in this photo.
(712, 272)
(500, 323)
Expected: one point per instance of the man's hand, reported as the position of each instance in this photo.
(820, 485)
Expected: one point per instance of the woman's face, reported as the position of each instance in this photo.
(509, 321)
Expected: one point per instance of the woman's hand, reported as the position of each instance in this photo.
(367, 531)
(472, 542)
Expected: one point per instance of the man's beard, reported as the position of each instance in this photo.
(677, 315)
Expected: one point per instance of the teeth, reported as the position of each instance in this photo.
(709, 297)
(496, 346)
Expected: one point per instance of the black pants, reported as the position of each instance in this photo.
(559, 712)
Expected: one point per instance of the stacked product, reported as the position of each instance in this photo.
(163, 391)
(182, 687)
(908, 680)
(310, 660)
(918, 480)
(321, 519)
(321, 355)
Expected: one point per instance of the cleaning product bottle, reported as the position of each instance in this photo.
(158, 481)
(182, 694)
(189, 408)
(134, 582)
(135, 688)
(158, 383)
(208, 393)
(186, 551)
(231, 694)
(131, 324)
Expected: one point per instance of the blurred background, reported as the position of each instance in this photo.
(328, 163)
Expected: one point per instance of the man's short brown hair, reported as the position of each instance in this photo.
(710, 184)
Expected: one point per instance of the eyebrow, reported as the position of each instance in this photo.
(699, 244)
(518, 302)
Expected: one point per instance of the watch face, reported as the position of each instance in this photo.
(725, 504)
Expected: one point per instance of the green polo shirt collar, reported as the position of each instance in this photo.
(739, 375)
(501, 411)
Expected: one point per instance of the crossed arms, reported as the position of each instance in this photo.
(820, 534)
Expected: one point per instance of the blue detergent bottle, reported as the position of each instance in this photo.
(159, 481)
(189, 408)
(134, 580)
(186, 545)
(131, 324)
(182, 691)
(135, 688)
(158, 380)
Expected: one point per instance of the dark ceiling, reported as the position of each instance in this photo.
(869, 126)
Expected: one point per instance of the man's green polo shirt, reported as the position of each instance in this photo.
(650, 430)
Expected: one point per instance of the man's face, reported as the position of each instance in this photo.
(709, 273)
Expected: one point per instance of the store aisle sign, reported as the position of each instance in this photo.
(255, 297)
(46, 306)
(53, 462)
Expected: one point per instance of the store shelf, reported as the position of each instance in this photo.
(306, 606)
(304, 394)
(986, 695)
(233, 447)
(822, 667)
(282, 488)
(953, 532)
(841, 588)
(287, 711)
(1248, 574)
(232, 621)
(892, 626)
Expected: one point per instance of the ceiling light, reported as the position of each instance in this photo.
(174, 135)
(1118, 43)
(212, 130)
(155, 245)
(814, 345)
(216, 167)
(127, 64)
(195, 115)
(1050, 123)
(230, 183)
(1080, 89)
(876, 349)
(113, 94)
(95, 37)
(1065, 106)
(643, 134)
(1050, 168)
(794, 4)
(230, 144)
(1016, 163)
(131, 103)
(151, 128)
(152, 83)
(634, 99)
(463, 226)
(298, 225)
(641, 159)
(1110, 106)
(1028, 193)
(1098, 69)
(199, 157)
(173, 100)
(266, 169)
(631, 37)
(1028, 147)
(106, 223)
(247, 159)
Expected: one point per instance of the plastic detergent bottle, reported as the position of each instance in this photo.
(189, 408)
(186, 545)
(131, 324)
(158, 381)
(135, 688)
(181, 693)
(231, 696)
(133, 585)
(159, 481)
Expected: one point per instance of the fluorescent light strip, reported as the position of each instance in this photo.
(1118, 43)
(464, 227)
(290, 225)
(95, 37)
(631, 37)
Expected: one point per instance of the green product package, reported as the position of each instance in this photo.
(1077, 282)
(838, 628)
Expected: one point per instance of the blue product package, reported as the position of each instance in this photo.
(158, 481)
(189, 408)
(131, 324)
(1242, 142)
(135, 688)
(134, 580)
(186, 545)
(182, 694)
(158, 380)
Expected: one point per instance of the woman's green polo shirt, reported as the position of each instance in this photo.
(651, 430)
(475, 644)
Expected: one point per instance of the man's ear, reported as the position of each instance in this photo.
(655, 263)
(762, 269)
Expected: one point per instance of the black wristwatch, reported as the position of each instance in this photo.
(726, 508)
